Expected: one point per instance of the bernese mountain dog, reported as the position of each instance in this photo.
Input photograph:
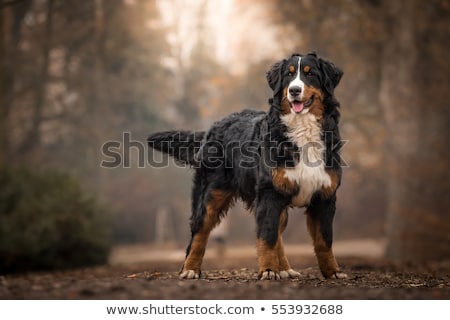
(272, 161)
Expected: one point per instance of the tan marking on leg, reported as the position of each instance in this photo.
(219, 202)
(268, 266)
(325, 257)
(198, 245)
(284, 263)
(286, 272)
(327, 192)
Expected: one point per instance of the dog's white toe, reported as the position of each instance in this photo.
(270, 275)
(289, 274)
(339, 275)
(189, 274)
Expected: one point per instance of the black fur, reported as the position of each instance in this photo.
(323, 210)
(181, 145)
(238, 154)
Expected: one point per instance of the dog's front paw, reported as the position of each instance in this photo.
(289, 274)
(269, 275)
(189, 274)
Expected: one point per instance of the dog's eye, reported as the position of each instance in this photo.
(291, 70)
(307, 71)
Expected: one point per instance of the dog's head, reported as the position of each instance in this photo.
(302, 83)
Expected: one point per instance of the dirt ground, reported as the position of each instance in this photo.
(233, 276)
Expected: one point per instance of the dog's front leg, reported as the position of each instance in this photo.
(286, 272)
(270, 205)
(319, 220)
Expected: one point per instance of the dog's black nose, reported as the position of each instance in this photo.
(295, 90)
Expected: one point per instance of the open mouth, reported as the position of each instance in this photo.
(298, 106)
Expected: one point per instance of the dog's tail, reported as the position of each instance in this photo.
(181, 145)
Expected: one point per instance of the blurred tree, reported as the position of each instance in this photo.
(2, 111)
(191, 60)
(32, 138)
(87, 53)
(415, 94)
(12, 15)
(75, 75)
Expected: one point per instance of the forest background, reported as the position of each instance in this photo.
(77, 75)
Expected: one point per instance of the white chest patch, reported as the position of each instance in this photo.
(309, 173)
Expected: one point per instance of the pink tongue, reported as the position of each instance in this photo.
(297, 106)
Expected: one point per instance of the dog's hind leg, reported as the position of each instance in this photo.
(319, 218)
(209, 211)
(286, 271)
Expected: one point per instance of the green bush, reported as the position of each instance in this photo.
(48, 222)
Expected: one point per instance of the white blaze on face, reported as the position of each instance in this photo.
(296, 83)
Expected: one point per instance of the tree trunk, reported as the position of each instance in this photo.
(2, 103)
(414, 94)
(32, 139)
(12, 14)
(99, 91)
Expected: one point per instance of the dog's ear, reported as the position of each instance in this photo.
(275, 77)
(332, 75)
